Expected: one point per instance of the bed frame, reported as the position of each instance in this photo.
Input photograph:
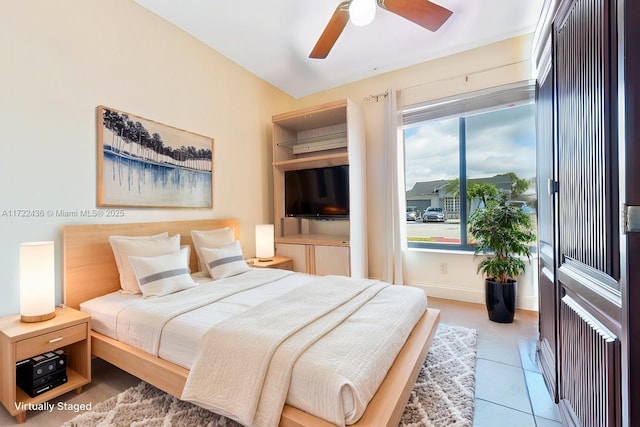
(90, 271)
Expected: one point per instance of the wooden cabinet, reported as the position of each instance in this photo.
(315, 254)
(68, 330)
(297, 253)
(330, 134)
(331, 260)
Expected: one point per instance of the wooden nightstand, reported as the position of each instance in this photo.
(281, 262)
(69, 330)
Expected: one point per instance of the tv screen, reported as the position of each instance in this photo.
(319, 192)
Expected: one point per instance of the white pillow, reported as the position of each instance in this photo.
(211, 239)
(225, 261)
(163, 274)
(124, 246)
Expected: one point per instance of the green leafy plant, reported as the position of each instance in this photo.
(502, 231)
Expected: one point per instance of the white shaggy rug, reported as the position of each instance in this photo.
(443, 394)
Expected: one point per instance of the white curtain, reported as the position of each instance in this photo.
(394, 230)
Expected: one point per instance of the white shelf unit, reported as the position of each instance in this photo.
(330, 134)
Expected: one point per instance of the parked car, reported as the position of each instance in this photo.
(433, 213)
(523, 206)
(413, 214)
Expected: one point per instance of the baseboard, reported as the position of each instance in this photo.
(451, 292)
(458, 293)
(528, 303)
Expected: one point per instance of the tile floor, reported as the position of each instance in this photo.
(510, 391)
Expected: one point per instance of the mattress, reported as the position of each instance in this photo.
(181, 335)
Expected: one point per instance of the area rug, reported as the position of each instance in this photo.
(443, 394)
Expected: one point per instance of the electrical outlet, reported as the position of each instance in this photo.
(444, 268)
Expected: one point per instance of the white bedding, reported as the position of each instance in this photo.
(318, 367)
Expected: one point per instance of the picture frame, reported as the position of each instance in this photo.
(143, 163)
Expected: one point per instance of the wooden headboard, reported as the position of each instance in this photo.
(89, 268)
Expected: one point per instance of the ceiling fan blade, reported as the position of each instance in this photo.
(332, 31)
(422, 12)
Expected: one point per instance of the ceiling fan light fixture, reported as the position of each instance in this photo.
(362, 12)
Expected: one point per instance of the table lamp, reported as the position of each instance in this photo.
(264, 242)
(37, 282)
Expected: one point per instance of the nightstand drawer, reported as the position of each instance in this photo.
(50, 341)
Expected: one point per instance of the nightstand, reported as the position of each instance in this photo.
(281, 262)
(69, 330)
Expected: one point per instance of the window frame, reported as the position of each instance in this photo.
(460, 107)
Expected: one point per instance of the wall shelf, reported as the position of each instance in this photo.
(316, 161)
(318, 143)
(315, 239)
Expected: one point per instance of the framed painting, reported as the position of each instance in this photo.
(142, 163)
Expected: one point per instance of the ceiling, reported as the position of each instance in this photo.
(273, 38)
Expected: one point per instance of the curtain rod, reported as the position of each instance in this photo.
(375, 97)
(466, 75)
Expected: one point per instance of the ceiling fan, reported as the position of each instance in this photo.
(361, 12)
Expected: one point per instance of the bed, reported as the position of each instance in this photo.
(90, 272)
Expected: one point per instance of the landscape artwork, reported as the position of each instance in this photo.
(143, 163)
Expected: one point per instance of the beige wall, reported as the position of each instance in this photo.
(60, 59)
(496, 64)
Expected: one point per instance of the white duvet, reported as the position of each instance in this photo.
(331, 367)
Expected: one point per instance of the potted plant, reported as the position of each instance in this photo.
(503, 232)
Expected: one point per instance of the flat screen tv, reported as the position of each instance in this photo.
(317, 193)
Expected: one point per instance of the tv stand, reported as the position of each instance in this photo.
(330, 134)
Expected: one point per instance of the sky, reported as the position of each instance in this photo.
(497, 142)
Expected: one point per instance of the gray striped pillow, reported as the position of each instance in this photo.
(163, 274)
(225, 261)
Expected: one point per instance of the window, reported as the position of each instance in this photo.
(458, 152)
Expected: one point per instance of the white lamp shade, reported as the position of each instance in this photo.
(37, 281)
(362, 12)
(264, 241)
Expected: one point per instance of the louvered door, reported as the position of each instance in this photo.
(588, 268)
(547, 289)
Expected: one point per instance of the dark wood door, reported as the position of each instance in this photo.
(595, 321)
(589, 317)
(546, 181)
(630, 197)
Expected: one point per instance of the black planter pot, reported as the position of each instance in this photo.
(501, 300)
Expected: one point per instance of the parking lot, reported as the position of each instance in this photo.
(443, 232)
(436, 230)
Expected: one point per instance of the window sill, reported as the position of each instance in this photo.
(456, 251)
